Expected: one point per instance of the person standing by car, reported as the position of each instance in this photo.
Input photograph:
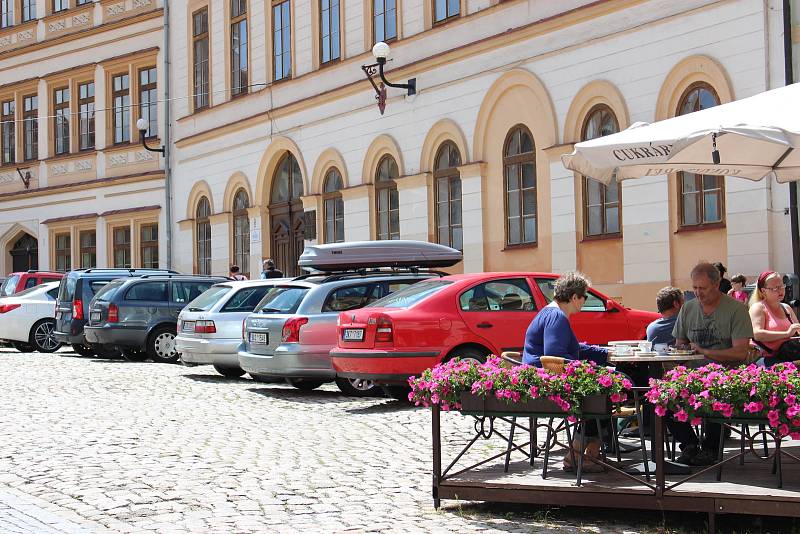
(235, 274)
(269, 270)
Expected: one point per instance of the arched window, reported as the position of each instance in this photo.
(387, 203)
(203, 236)
(447, 183)
(287, 226)
(602, 210)
(519, 172)
(701, 197)
(333, 207)
(241, 231)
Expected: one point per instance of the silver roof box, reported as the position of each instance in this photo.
(373, 254)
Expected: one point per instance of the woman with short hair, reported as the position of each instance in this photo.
(774, 323)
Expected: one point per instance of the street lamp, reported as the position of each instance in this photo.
(381, 52)
(142, 125)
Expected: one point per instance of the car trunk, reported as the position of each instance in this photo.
(227, 325)
(263, 332)
(358, 329)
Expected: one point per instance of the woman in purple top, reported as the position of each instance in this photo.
(550, 333)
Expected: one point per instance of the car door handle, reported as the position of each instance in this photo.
(484, 325)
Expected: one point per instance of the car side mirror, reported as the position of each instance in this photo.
(611, 306)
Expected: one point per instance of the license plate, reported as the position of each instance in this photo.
(262, 338)
(353, 334)
(188, 326)
(95, 317)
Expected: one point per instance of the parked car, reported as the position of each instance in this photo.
(26, 319)
(21, 281)
(139, 316)
(210, 326)
(292, 330)
(74, 295)
(468, 316)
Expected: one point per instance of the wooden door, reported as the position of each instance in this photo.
(25, 254)
(287, 232)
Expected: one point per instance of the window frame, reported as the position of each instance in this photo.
(241, 241)
(206, 64)
(202, 239)
(9, 126)
(331, 33)
(373, 23)
(123, 247)
(447, 18)
(337, 202)
(30, 128)
(8, 14)
(91, 249)
(389, 186)
(125, 109)
(236, 22)
(604, 234)
(519, 160)
(64, 3)
(146, 244)
(87, 118)
(279, 4)
(451, 174)
(61, 120)
(63, 253)
(30, 7)
(151, 89)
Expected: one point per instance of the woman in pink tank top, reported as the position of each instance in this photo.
(775, 324)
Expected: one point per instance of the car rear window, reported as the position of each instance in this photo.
(149, 291)
(246, 299)
(10, 285)
(282, 299)
(184, 292)
(27, 291)
(405, 298)
(66, 292)
(210, 297)
(107, 292)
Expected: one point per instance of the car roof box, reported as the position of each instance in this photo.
(373, 254)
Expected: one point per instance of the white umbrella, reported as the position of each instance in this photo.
(754, 138)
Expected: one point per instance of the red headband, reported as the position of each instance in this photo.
(762, 278)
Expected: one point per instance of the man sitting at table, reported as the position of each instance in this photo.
(718, 327)
(669, 301)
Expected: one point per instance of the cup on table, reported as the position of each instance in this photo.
(646, 346)
(623, 350)
(661, 348)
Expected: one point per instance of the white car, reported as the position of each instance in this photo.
(27, 319)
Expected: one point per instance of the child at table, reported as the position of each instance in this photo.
(738, 282)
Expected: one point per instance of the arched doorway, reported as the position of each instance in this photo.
(286, 215)
(25, 254)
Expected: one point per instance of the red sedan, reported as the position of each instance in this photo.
(468, 315)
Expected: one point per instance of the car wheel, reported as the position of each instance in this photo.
(467, 353)
(161, 345)
(357, 387)
(134, 355)
(304, 384)
(229, 372)
(397, 392)
(22, 347)
(83, 350)
(42, 338)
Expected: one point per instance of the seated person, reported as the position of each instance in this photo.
(774, 323)
(718, 327)
(669, 301)
(738, 282)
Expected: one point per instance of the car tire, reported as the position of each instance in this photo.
(22, 347)
(161, 345)
(467, 353)
(42, 338)
(83, 350)
(399, 393)
(356, 387)
(133, 355)
(305, 384)
(229, 372)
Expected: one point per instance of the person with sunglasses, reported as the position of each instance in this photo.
(775, 325)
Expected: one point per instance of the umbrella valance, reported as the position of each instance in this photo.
(754, 138)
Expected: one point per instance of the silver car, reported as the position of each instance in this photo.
(210, 327)
(291, 332)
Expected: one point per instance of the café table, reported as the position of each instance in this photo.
(655, 369)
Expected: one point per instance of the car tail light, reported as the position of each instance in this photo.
(5, 308)
(77, 309)
(384, 329)
(205, 327)
(113, 313)
(291, 329)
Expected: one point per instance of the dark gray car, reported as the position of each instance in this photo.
(140, 315)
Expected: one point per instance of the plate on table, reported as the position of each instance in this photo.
(680, 352)
(632, 343)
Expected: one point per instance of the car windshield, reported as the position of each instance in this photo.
(208, 298)
(67, 290)
(282, 299)
(10, 285)
(405, 298)
(107, 292)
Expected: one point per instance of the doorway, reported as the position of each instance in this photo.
(25, 254)
(287, 232)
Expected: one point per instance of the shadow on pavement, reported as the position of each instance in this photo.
(388, 406)
(216, 379)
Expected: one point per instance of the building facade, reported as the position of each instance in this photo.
(76, 187)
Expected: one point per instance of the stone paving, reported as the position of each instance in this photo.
(113, 446)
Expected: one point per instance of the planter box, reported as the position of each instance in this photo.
(480, 405)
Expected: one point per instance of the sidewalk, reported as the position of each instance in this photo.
(23, 514)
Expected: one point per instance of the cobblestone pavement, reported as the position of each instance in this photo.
(92, 445)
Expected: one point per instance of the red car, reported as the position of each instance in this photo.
(467, 315)
(17, 282)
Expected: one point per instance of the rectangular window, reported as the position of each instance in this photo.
(63, 252)
(28, 10)
(86, 115)
(200, 58)
(238, 47)
(30, 126)
(148, 246)
(445, 9)
(122, 247)
(6, 13)
(282, 40)
(61, 120)
(8, 139)
(384, 20)
(329, 30)
(88, 248)
(60, 5)
(84, 2)
(121, 115)
(148, 100)
(701, 199)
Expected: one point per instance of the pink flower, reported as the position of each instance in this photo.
(696, 421)
(790, 399)
(661, 411)
(681, 416)
(753, 407)
(605, 381)
(783, 430)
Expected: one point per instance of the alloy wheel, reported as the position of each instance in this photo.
(44, 339)
(361, 384)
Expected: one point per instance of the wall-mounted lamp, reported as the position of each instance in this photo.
(26, 178)
(142, 125)
(381, 52)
